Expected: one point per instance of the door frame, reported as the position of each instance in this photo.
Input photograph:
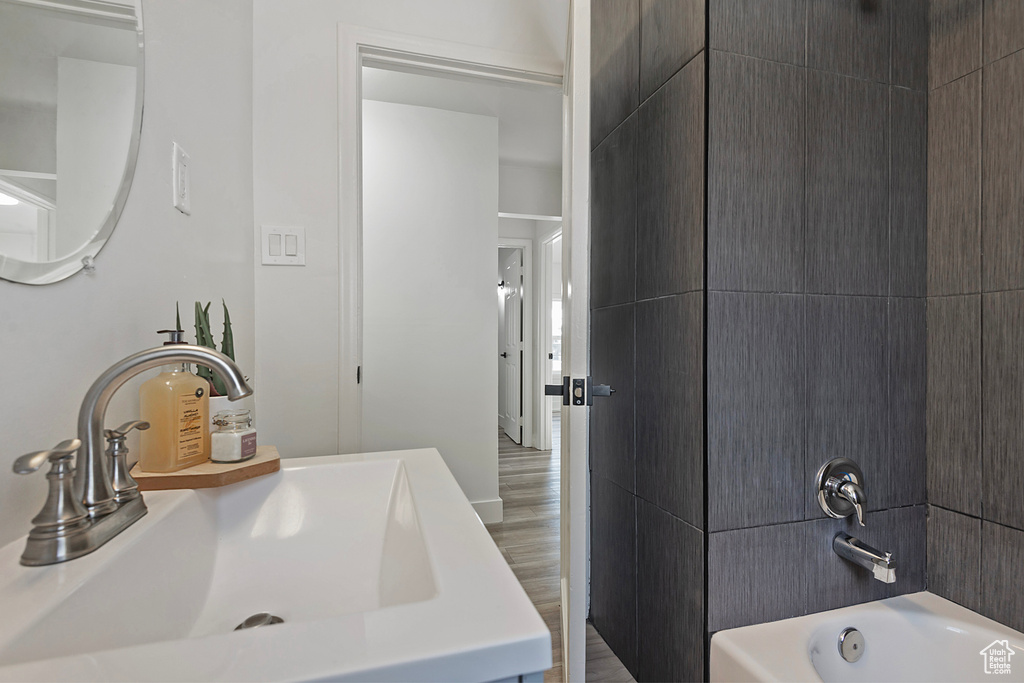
(544, 432)
(359, 46)
(575, 461)
(526, 370)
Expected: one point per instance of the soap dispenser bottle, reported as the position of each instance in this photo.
(176, 404)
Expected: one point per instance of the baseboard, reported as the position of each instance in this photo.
(489, 511)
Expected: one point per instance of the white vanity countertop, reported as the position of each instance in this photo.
(479, 624)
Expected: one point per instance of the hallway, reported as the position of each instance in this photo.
(529, 485)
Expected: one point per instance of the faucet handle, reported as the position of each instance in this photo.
(124, 485)
(62, 452)
(122, 431)
(839, 486)
(851, 492)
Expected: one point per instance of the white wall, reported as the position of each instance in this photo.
(530, 190)
(430, 237)
(295, 155)
(56, 339)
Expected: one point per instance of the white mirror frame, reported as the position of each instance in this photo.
(48, 272)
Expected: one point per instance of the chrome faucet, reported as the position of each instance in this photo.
(849, 491)
(839, 486)
(78, 519)
(880, 564)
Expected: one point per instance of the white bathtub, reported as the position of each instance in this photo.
(918, 637)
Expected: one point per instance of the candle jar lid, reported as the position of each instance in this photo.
(232, 420)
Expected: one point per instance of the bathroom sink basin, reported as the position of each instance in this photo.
(376, 563)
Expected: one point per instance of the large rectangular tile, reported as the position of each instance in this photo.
(905, 475)
(955, 37)
(908, 228)
(756, 402)
(839, 583)
(671, 34)
(1002, 597)
(613, 568)
(1002, 188)
(850, 37)
(670, 404)
(1003, 28)
(614, 65)
(910, 44)
(769, 29)
(1003, 407)
(755, 175)
(612, 451)
(954, 187)
(670, 212)
(670, 597)
(954, 403)
(954, 557)
(847, 406)
(847, 402)
(758, 575)
(752, 577)
(613, 218)
(847, 185)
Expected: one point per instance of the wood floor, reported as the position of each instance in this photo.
(528, 484)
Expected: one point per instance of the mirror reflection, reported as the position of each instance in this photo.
(69, 116)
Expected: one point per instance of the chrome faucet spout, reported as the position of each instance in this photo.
(92, 483)
(879, 563)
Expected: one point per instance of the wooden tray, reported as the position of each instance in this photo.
(208, 475)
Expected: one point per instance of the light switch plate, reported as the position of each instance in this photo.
(281, 246)
(181, 173)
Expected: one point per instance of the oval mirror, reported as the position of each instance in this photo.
(70, 119)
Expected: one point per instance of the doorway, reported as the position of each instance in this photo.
(406, 55)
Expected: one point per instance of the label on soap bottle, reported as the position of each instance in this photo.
(190, 427)
(248, 446)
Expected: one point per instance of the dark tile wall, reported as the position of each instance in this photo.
(647, 334)
(752, 577)
(863, 297)
(817, 273)
(975, 374)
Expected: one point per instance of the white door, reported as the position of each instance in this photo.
(430, 233)
(510, 360)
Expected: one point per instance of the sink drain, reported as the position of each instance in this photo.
(257, 620)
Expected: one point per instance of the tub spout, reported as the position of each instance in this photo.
(879, 563)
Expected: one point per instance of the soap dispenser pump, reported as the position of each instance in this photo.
(176, 404)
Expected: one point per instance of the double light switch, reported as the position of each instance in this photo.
(283, 246)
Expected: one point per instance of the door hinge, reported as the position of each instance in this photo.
(359, 374)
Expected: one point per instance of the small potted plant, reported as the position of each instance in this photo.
(204, 337)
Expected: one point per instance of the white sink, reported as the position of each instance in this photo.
(377, 564)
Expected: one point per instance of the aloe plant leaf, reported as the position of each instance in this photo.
(203, 336)
(227, 344)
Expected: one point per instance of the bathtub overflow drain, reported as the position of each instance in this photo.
(851, 644)
(257, 620)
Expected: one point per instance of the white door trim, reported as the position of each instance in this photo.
(528, 371)
(544, 331)
(357, 44)
(575, 520)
